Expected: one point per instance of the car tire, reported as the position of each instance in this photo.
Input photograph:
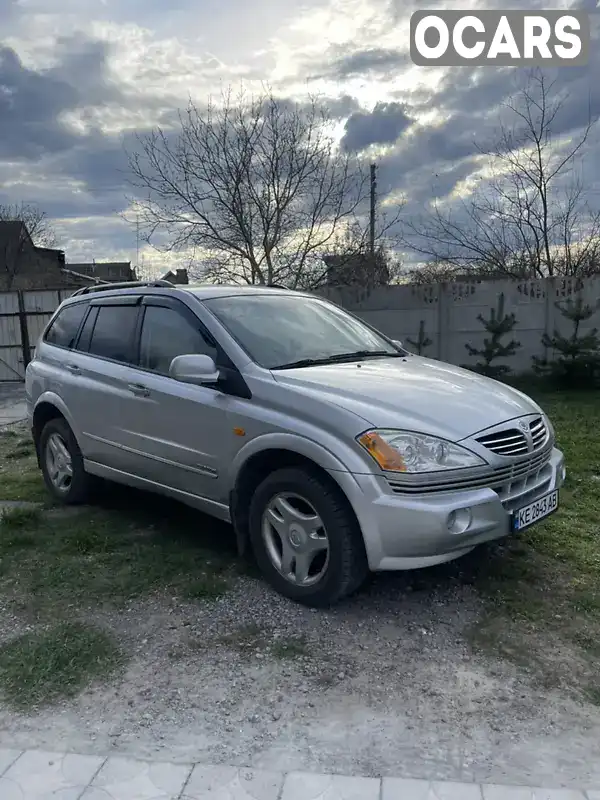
(338, 572)
(59, 451)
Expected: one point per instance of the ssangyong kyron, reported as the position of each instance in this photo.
(331, 449)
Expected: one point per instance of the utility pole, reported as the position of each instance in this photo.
(372, 215)
(137, 241)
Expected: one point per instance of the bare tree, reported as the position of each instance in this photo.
(35, 220)
(432, 272)
(29, 228)
(353, 260)
(255, 186)
(531, 219)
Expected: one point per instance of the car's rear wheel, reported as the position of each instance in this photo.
(62, 463)
(305, 538)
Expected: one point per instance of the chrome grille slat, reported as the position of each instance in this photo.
(500, 479)
(511, 442)
(500, 441)
(496, 442)
(510, 450)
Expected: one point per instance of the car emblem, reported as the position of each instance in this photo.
(524, 427)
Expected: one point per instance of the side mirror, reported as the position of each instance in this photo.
(197, 369)
(398, 343)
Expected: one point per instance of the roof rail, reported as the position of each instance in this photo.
(105, 287)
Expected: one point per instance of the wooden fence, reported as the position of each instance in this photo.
(23, 315)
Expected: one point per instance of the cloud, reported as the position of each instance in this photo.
(383, 125)
(378, 61)
(78, 78)
(32, 103)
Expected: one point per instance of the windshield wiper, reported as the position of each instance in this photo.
(358, 355)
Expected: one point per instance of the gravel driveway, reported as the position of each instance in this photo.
(384, 684)
(12, 403)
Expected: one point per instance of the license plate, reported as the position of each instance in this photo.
(535, 511)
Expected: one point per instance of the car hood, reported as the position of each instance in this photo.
(412, 393)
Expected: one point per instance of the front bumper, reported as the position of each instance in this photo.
(409, 532)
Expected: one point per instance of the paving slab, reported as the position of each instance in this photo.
(47, 775)
(129, 779)
(405, 789)
(7, 758)
(41, 775)
(493, 792)
(305, 786)
(232, 783)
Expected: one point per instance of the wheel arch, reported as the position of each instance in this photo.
(260, 463)
(49, 406)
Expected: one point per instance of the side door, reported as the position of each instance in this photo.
(182, 430)
(104, 363)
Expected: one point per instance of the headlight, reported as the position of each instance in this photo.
(403, 451)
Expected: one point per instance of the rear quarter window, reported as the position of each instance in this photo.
(65, 327)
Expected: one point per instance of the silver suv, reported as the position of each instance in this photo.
(331, 449)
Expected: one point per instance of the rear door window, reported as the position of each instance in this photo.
(114, 333)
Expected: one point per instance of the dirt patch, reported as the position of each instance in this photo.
(385, 684)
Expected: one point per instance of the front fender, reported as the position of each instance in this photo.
(348, 461)
(344, 470)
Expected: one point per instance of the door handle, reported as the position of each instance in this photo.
(138, 389)
(73, 368)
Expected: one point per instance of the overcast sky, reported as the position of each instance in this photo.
(78, 78)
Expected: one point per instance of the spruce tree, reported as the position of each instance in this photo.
(499, 325)
(422, 342)
(577, 360)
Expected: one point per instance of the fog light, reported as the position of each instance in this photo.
(460, 520)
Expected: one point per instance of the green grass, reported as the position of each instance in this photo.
(42, 667)
(542, 588)
(58, 565)
(55, 560)
(19, 517)
(20, 478)
(96, 556)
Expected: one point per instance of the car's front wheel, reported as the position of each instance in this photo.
(62, 463)
(305, 538)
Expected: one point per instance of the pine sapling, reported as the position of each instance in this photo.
(422, 342)
(577, 360)
(499, 325)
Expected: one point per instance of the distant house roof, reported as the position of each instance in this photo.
(13, 233)
(105, 270)
(180, 277)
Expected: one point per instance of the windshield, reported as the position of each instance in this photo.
(282, 330)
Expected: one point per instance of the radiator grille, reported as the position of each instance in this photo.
(513, 442)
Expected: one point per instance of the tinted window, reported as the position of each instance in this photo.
(85, 336)
(279, 329)
(113, 332)
(166, 334)
(63, 330)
